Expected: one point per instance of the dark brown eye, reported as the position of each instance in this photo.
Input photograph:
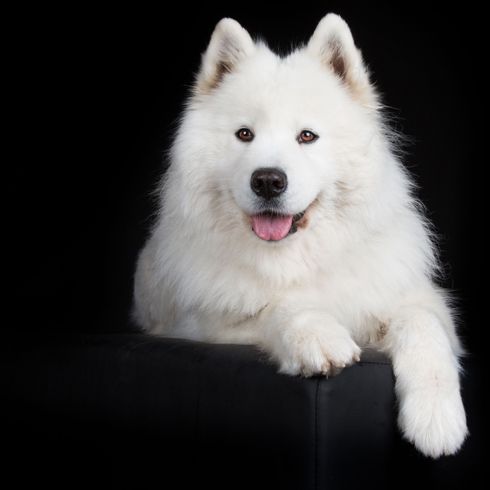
(244, 134)
(307, 136)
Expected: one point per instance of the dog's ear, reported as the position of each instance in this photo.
(333, 44)
(229, 44)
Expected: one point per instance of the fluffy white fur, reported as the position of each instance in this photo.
(360, 270)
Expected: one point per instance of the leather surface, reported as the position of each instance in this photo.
(134, 411)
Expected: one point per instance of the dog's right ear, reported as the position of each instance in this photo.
(229, 44)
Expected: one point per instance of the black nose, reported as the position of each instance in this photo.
(268, 182)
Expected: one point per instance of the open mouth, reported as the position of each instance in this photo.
(271, 226)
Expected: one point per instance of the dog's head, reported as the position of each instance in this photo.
(269, 142)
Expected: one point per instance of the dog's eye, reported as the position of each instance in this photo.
(245, 134)
(307, 136)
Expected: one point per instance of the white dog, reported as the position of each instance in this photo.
(287, 221)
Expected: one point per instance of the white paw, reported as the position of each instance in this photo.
(313, 344)
(434, 420)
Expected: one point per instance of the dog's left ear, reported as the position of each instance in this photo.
(333, 44)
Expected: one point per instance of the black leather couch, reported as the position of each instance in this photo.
(135, 411)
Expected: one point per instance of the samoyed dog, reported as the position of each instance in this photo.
(287, 221)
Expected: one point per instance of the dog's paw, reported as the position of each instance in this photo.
(312, 344)
(433, 420)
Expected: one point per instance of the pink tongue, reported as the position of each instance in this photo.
(271, 227)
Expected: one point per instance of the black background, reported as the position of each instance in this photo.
(98, 98)
(97, 95)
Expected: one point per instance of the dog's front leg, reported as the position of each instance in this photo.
(431, 413)
(306, 340)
